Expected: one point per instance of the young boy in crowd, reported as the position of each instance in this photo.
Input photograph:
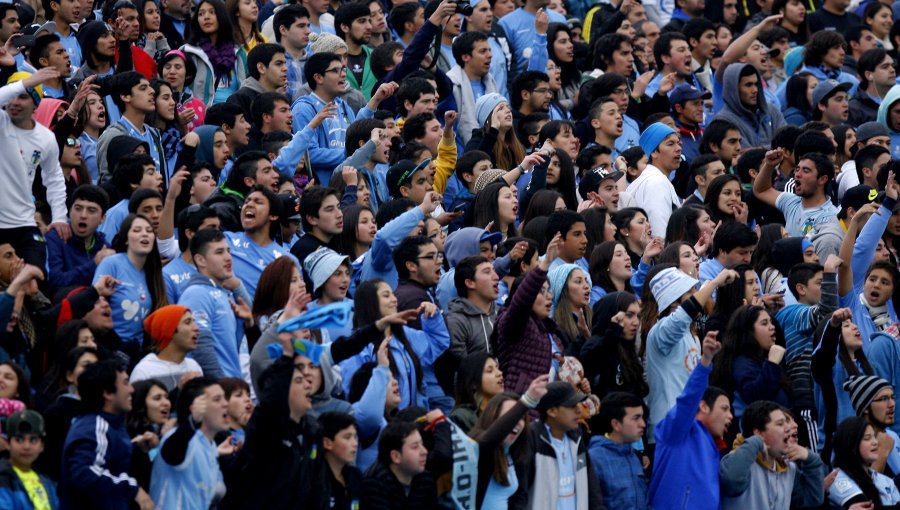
(21, 487)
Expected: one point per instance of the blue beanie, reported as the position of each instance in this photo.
(485, 105)
(653, 136)
(558, 277)
(793, 59)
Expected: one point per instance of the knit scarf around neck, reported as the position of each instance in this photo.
(879, 314)
(222, 58)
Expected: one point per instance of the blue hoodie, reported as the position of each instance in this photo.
(326, 146)
(379, 260)
(217, 348)
(428, 345)
(890, 98)
(687, 456)
(863, 254)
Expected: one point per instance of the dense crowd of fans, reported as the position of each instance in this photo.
(551, 254)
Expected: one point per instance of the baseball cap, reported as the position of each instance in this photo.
(560, 394)
(493, 237)
(592, 179)
(856, 197)
(37, 30)
(687, 92)
(826, 88)
(25, 422)
(868, 130)
(290, 207)
(401, 174)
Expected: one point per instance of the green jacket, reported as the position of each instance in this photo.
(369, 80)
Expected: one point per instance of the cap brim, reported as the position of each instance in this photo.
(493, 237)
(574, 400)
(47, 28)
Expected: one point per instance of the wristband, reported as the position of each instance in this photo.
(528, 401)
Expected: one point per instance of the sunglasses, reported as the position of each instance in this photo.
(71, 142)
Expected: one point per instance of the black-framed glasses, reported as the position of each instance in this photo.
(881, 400)
(338, 70)
(437, 257)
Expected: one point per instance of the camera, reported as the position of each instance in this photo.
(464, 8)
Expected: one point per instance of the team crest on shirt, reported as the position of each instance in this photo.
(35, 157)
(843, 485)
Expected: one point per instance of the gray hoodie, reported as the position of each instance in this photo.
(827, 238)
(470, 328)
(757, 127)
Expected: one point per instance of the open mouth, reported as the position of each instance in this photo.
(195, 339)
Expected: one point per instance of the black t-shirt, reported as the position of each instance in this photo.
(356, 64)
(824, 20)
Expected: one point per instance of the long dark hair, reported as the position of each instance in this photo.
(795, 93)
(566, 184)
(599, 266)
(569, 75)
(224, 35)
(730, 297)
(762, 258)
(542, 203)
(682, 224)
(847, 437)
(632, 369)
(517, 449)
(137, 420)
(467, 388)
(152, 265)
(55, 378)
(153, 118)
(711, 200)
(367, 311)
(595, 219)
(487, 209)
(740, 341)
(346, 241)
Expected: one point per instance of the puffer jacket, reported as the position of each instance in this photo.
(521, 340)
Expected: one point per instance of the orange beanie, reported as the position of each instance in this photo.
(161, 324)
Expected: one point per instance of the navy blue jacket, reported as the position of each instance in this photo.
(69, 263)
(95, 462)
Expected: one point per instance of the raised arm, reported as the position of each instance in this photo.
(739, 46)
(762, 185)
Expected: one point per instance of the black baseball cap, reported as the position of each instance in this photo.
(592, 179)
(560, 394)
(856, 197)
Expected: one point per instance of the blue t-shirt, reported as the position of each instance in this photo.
(147, 136)
(799, 220)
(114, 218)
(844, 488)
(497, 496)
(249, 259)
(212, 312)
(176, 275)
(519, 27)
(131, 302)
(566, 499)
(195, 483)
(477, 88)
(72, 47)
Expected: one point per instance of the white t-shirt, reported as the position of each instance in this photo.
(166, 372)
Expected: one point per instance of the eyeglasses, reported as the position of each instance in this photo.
(546, 291)
(337, 70)
(437, 257)
(542, 90)
(71, 142)
(552, 67)
(881, 400)
(620, 91)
